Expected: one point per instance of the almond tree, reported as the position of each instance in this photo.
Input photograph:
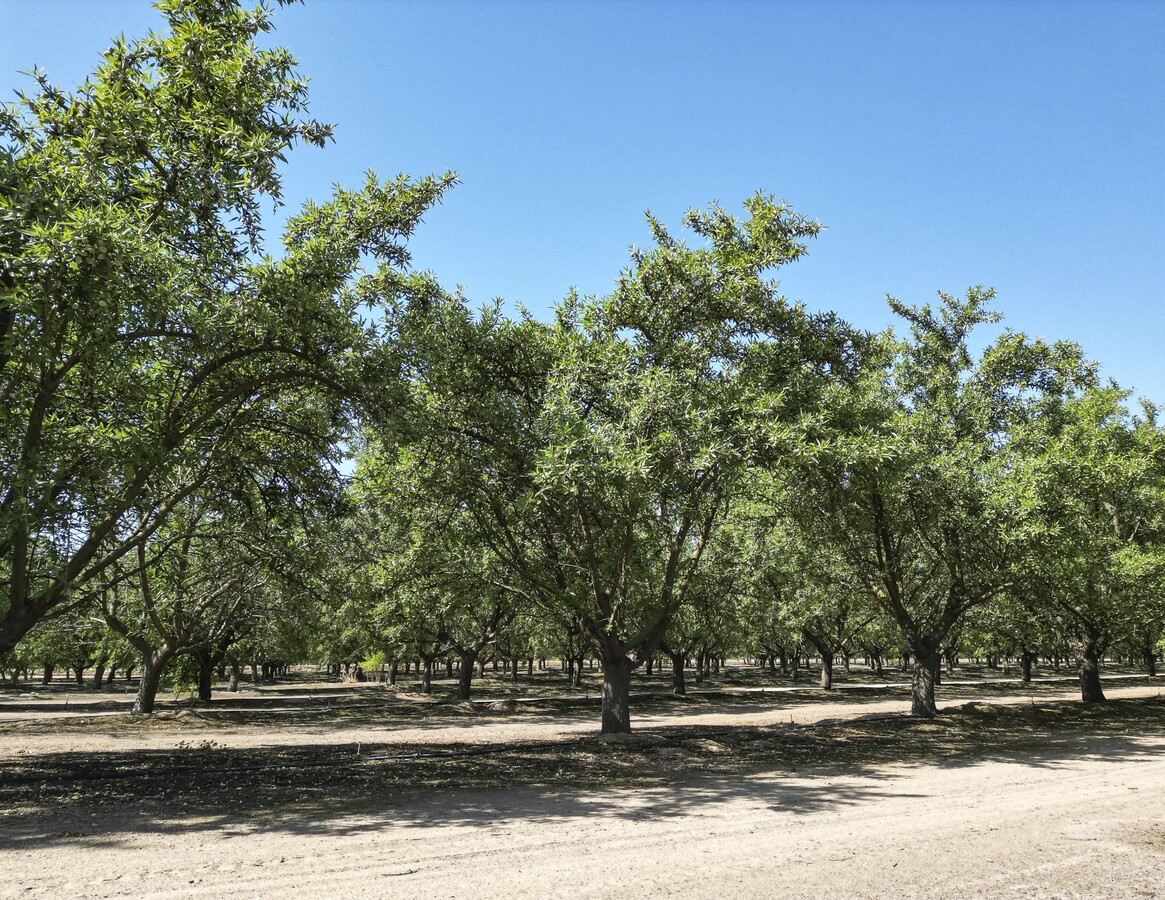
(140, 327)
(910, 472)
(1096, 477)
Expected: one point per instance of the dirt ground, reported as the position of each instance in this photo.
(308, 789)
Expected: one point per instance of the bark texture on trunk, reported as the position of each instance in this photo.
(465, 676)
(1090, 690)
(617, 695)
(827, 672)
(205, 682)
(678, 686)
(427, 677)
(922, 685)
(153, 665)
(1025, 666)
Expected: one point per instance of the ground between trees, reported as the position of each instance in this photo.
(201, 780)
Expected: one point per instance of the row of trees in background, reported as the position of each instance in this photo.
(689, 467)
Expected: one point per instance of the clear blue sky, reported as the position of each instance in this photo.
(1014, 144)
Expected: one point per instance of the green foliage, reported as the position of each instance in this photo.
(145, 345)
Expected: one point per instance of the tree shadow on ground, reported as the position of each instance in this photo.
(108, 798)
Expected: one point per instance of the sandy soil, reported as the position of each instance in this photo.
(1084, 818)
(372, 723)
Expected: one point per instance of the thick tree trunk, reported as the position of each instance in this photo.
(392, 671)
(205, 681)
(233, 684)
(1149, 658)
(98, 675)
(153, 665)
(465, 676)
(1090, 690)
(827, 671)
(678, 687)
(427, 677)
(1025, 666)
(616, 695)
(922, 684)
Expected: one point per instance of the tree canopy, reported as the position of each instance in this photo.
(214, 449)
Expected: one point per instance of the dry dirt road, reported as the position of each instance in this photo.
(1085, 818)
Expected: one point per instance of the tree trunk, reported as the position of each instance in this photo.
(153, 665)
(465, 676)
(392, 672)
(1090, 690)
(233, 684)
(427, 677)
(205, 681)
(827, 671)
(1149, 658)
(98, 675)
(616, 695)
(678, 687)
(1025, 666)
(922, 684)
